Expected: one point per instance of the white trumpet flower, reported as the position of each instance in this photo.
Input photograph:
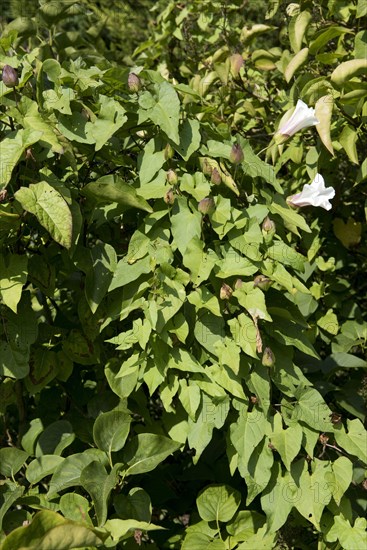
(302, 117)
(314, 194)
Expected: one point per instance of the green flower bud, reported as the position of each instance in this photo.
(168, 152)
(262, 282)
(216, 177)
(169, 197)
(268, 225)
(133, 82)
(236, 154)
(225, 292)
(10, 77)
(171, 177)
(268, 359)
(206, 206)
(268, 229)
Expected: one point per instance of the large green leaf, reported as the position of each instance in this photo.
(112, 189)
(9, 494)
(50, 530)
(145, 451)
(99, 276)
(12, 148)
(163, 110)
(218, 503)
(278, 498)
(55, 438)
(21, 332)
(67, 474)
(50, 208)
(13, 275)
(99, 485)
(11, 460)
(110, 430)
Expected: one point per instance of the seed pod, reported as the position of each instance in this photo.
(206, 206)
(171, 177)
(225, 292)
(268, 359)
(262, 282)
(133, 82)
(169, 197)
(236, 154)
(216, 177)
(10, 76)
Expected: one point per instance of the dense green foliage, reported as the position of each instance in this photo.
(182, 352)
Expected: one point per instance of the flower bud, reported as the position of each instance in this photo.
(268, 359)
(268, 229)
(262, 282)
(225, 292)
(236, 154)
(168, 152)
(216, 177)
(169, 197)
(171, 177)
(238, 284)
(133, 82)
(268, 225)
(3, 195)
(236, 62)
(10, 77)
(206, 206)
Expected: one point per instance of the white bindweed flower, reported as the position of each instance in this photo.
(302, 117)
(314, 194)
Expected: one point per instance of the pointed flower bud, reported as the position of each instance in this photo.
(206, 206)
(133, 82)
(268, 229)
(10, 77)
(236, 154)
(216, 177)
(268, 225)
(168, 152)
(169, 197)
(268, 359)
(171, 177)
(225, 292)
(302, 117)
(262, 282)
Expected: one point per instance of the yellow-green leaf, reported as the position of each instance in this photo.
(323, 112)
(347, 70)
(349, 234)
(296, 62)
(50, 208)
